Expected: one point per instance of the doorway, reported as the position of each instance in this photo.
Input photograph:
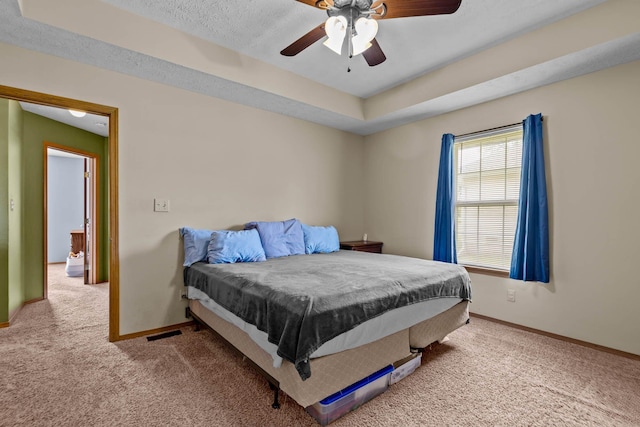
(71, 204)
(111, 216)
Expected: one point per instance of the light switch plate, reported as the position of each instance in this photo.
(161, 205)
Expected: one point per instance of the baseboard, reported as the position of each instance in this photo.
(120, 338)
(560, 337)
(14, 313)
(154, 331)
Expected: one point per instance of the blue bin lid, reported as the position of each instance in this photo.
(371, 378)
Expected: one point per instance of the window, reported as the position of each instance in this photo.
(487, 183)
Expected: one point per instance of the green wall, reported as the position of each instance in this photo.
(4, 210)
(11, 255)
(22, 137)
(37, 130)
(16, 280)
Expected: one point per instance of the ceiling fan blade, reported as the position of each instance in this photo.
(374, 55)
(320, 4)
(305, 41)
(406, 8)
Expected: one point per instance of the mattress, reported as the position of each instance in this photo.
(365, 333)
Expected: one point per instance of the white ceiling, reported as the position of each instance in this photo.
(413, 46)
(60, 153)
(91, 122)
(230, 50)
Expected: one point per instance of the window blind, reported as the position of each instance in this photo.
(487, 182)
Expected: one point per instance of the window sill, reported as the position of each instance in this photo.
(486, 270)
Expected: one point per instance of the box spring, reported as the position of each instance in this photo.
(336, 371)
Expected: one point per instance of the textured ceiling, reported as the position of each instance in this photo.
(435, 64)
(413, 46)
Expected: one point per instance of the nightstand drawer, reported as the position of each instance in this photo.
(362, 246)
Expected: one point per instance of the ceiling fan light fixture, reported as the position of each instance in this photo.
(366, 30)
(336, 29)
(358, 48)
(361, 37)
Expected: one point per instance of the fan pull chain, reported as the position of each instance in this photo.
(350, 45)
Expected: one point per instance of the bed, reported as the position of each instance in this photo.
(314, 324)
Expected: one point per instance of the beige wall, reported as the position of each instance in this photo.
(592, 153)
(220, 164)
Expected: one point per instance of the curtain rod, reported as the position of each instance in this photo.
(490, 130)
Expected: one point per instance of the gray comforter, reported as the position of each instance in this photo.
(303, 301)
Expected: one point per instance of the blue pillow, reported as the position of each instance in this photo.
(280, 238)
(320, 240)
(196, 243)
(227, 247)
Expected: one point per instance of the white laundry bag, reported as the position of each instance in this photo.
(75, 265)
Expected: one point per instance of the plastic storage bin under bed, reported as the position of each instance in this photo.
(348, 399)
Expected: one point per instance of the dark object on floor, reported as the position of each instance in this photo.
(164, 335)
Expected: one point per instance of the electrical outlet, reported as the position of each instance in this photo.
(160, 205)
(511, 295)
(183, 294)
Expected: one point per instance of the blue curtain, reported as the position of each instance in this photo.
(530, 257)
(444, 239)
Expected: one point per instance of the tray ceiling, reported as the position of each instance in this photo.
(435, 64)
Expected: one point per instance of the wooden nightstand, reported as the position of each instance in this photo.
(362, 246)
(77, 241)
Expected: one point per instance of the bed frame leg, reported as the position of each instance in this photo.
(188, 314)
(275, 404)
(273, 383)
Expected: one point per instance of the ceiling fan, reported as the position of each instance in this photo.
(358, 20)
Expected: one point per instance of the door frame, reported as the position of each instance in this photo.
(91, 214)
(112, 160)
(93, 258)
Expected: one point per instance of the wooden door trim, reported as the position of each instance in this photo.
(112, 159)
(94, 202)
(95, 181)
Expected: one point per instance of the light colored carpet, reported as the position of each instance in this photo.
(58, 369)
